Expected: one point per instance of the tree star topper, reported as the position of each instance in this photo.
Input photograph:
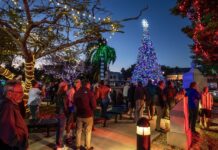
(145, 24)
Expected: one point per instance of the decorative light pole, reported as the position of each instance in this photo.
(143, 132)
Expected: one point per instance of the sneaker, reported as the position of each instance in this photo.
(167, 117)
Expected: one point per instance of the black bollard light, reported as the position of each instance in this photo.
(143, 132)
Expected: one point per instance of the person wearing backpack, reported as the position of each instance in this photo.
(150, 93)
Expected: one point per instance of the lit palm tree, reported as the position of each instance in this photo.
(102, 55)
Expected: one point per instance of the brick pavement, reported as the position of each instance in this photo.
(116, 136)
(122, 136)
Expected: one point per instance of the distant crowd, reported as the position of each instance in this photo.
(160, 99)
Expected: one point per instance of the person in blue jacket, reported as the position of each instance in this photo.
(193, 102)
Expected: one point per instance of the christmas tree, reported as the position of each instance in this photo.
(147, 67)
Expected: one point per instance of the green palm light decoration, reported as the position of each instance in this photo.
(103, 55)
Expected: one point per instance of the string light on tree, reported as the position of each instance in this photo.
(60, 20)
(198, 11)
(77, 14)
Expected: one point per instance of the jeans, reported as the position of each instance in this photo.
(87, 123)
(104, 106)
(33, 111)
(70, 122)
(60, 131)
(193, 114)
(126, 102)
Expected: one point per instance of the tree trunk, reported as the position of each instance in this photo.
(6, 73)
(29, 75)
(107, 76)
(102, 69)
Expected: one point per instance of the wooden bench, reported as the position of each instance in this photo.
(42, 123)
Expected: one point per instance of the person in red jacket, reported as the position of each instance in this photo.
(85, 104)
(104, 99)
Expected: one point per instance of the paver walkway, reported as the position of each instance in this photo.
(122, 136)
(116, 136)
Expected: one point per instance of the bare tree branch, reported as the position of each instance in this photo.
(27, 10)
(13, 32)
(27, 33)
(66, 45)
(36, 24)
(137, 17)
(16, 40)
(94, 7)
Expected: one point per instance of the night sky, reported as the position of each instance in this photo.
(170, 43)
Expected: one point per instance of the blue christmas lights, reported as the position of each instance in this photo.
(147, 67)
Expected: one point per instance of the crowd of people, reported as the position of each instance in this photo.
(75, 105)
(160, 99)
